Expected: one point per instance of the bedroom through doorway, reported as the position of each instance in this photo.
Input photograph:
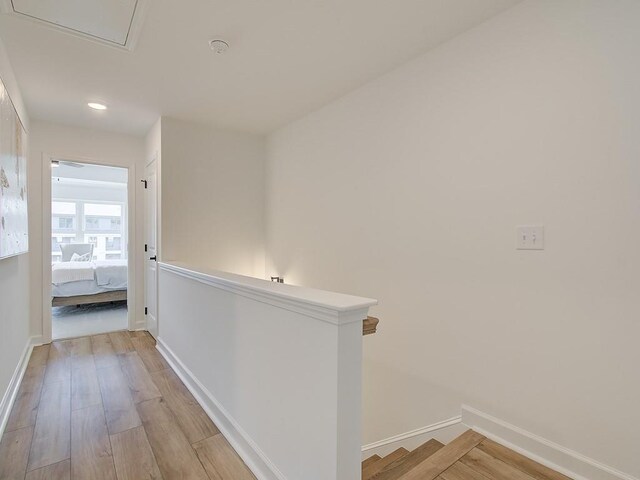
(89, 264)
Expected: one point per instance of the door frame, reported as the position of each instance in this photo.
(154, 158)
(132, 240)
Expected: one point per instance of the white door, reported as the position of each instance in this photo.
(151, 247)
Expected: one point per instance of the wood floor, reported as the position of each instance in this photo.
(109, 407)
(469, 457)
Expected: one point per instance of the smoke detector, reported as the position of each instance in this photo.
(219, 46)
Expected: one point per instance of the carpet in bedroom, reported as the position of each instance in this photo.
(78, 321)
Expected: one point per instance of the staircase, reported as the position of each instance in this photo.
(471, 456)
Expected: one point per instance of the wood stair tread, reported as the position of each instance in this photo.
(405, 464)
(491, 467)
(470, 456)
(376, 467)
(370, 461)
(437, 463)
(522, 463)
(459, 471)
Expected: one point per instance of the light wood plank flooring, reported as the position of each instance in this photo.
(109, 407)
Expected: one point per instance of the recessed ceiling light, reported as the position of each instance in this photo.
(219, 46)
(97, 106)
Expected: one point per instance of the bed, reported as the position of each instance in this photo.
(89, 281)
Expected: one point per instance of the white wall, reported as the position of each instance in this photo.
(14, 271)
(410, 188)
(212, 198)
(95, 146)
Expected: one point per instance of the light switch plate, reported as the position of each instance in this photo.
(530, 237)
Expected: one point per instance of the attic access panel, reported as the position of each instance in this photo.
(107, 21)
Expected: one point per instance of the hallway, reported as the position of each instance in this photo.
(110, 407)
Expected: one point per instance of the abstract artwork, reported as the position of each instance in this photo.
(14, 224)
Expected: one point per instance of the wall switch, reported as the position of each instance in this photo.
(530, 237)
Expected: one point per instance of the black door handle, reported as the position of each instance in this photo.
(153, 258)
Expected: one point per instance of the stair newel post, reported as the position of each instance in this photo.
(349, 396)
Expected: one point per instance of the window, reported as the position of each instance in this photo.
(63, 208)
(101, 224)
(62, 223)
(113, 243)
(91, 223)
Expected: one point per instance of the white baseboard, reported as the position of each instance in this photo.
(140, 326)
(10, 394)
(248, 450)
(546, 452)
(443, 431)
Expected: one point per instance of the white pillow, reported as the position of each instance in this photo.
(81, 258)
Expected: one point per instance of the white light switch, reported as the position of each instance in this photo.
(530, 237)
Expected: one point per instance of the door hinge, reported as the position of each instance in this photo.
(146, 310)
(145, 183)
(145, 247)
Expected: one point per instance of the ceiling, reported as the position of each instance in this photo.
(86, 171)
(287, 58)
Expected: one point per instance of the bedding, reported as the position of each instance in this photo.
(81, 258)
(66, 272)
(74, 289)
(70, 279)
(111, 273)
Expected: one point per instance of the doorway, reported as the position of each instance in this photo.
(89, 261)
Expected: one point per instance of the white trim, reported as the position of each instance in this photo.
(135, 29)
(444, 431)
(546, 452)
(413, 433)
(90, 183)
(297, 299)
(132, 246)
(11, 393)
(145, 270)
(139, 327)
(241, 442)
(45, 273)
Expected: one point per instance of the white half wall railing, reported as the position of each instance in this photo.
(277, 367)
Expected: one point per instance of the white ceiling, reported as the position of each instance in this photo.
(86, 171)
(287, 58)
